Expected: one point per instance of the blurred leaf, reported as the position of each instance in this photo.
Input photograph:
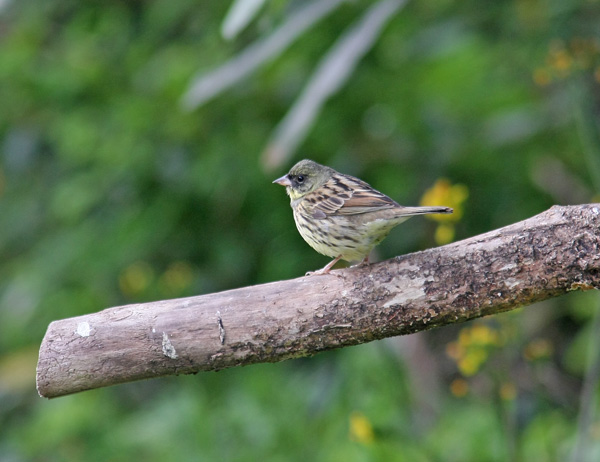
(240, 14)
(333, 70)
(207, 86)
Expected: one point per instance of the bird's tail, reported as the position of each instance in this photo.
(410, 211)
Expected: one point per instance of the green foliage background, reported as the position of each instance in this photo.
(110, 194)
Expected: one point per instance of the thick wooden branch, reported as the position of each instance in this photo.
(545, 256)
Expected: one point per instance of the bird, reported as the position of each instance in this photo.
(341, 216)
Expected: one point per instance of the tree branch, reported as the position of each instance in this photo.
(545, 256)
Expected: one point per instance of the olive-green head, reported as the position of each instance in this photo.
(304, 178)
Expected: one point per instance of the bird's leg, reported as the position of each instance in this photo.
(325, 269)
(362, 263)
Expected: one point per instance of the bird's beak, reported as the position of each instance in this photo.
(283, 181)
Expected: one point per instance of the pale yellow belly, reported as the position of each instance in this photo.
(338, 235)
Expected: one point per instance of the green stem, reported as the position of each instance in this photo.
(588, 400)
(585, 121)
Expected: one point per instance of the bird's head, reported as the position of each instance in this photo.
(304, 178)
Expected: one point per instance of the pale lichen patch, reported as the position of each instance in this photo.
(83, 329)
(410, 290)
(167, 347)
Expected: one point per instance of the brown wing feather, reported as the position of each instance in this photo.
(346, 195)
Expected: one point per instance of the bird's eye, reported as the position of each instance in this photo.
(300, 178)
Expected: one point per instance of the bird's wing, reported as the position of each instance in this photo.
(346, 195)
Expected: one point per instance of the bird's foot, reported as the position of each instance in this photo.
(326, 269)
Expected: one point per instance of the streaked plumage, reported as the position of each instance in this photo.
(341, 216)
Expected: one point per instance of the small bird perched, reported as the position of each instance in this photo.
(341, 216)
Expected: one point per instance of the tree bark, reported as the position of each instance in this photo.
(545, 256)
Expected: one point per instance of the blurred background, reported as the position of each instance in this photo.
(138, 143)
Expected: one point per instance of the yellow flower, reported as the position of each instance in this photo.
(508, 391)
(361, 429)
(445, 193)
(542, 77)
(483, 335)
(178, 277)
(455, 351)
(136, 278)
(561, 60)
(565, 59)
(459, 388)
(537, 349)
(471, 363)
(444, 233)
(472, 348)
